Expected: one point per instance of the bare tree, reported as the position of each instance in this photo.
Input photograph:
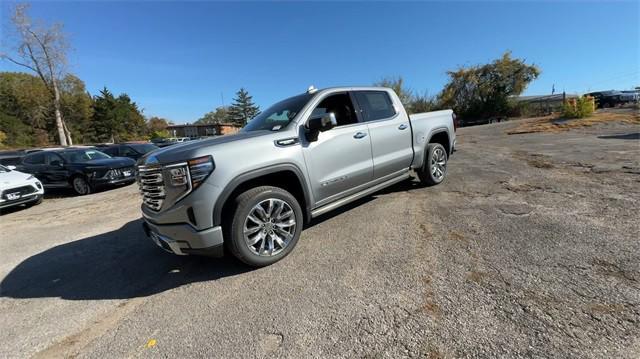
(42, 50)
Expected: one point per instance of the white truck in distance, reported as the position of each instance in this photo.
(251, 193)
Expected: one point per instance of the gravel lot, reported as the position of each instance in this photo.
(530, 248)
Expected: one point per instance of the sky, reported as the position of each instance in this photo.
(179, 60)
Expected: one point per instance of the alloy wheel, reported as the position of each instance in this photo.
(438, 163)
(269, 227)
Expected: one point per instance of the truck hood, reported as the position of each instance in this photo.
(13, 179)
(186, 150)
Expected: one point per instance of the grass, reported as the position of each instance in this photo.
(554, 123)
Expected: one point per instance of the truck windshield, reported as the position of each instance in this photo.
(279, 115)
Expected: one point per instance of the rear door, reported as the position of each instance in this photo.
(34, 163)
(390, 133)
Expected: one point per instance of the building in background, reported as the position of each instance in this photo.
(188, 130)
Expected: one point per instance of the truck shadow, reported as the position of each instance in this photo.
(115, 265)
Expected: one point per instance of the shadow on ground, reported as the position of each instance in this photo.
(624, 136)
(125, 264)
(115, 265)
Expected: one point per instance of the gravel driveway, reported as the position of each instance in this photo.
(530, 248)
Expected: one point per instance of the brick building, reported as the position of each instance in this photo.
(188, 130)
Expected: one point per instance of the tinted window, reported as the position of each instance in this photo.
(81, 156)
(128, 151)
(375, 105)
(35, 159)
(144, 148)
(53, 158)
(341, 107)
(111, 151)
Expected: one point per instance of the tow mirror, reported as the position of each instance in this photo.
(323, 122)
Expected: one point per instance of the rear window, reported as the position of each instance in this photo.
(375, 105)
(35, 159)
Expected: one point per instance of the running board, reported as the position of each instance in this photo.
(341, 202)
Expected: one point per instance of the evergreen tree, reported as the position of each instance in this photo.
(243, 109)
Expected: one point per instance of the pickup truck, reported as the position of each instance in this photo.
(251, 193)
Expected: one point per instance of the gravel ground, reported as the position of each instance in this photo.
(529, 249)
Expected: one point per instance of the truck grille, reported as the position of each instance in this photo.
(151, 186)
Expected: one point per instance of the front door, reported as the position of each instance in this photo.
(340, 159)
(54, 170)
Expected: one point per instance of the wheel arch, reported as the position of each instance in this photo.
(286, 176)
(440, 136)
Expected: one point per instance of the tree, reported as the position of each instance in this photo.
(220, 115)
(243, 109)
(43, 50)
(116, 118)
(412, 101)
(484, 90)
(397, 85)
(157, 127)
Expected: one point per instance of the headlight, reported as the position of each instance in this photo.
(196, 170)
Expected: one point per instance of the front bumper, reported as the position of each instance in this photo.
(101, 182)
(183, 239)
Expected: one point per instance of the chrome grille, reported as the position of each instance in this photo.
(151, 186)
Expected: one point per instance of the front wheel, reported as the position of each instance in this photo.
(434, 168)
(265, 227)
(80, 186)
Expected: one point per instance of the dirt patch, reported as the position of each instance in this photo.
(553, 123)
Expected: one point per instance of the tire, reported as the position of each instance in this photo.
(434, 169)
(80, 186)
(37, 201)
(268, 239)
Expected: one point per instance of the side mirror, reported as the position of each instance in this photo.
(11, 167)
(323, 122)
(56, 163)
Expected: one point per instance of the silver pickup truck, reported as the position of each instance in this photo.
(252, 192)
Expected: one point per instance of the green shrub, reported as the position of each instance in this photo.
(578, 108)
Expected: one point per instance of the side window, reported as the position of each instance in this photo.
(53, 158)
(127, 151)
(111, 151)
(341, 106)
(35, 159)
(376, 105)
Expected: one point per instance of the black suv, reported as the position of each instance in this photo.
(131, 150)
(82, 169)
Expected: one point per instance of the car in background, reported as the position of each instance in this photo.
(631, 96)
(81, 169)
(131, 150)
(17, 188)
(606, 99)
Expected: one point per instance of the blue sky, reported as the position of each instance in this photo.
(175, 59)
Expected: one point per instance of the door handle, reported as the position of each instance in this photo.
(360, 135)
(402, 127)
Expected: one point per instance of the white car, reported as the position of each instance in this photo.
(18, 188)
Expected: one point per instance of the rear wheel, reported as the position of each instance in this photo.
(434, 169)
(265, 227)
(80, 186)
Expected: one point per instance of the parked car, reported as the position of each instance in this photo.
(252, 192)
(80, 169)
(18, 188)
(164, 142)
(605, 99)
(131, 150)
